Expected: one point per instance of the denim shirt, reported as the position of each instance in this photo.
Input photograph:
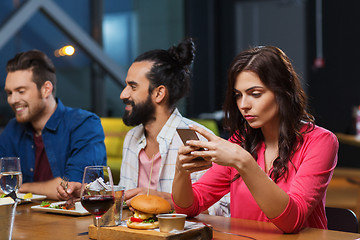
(73, 139)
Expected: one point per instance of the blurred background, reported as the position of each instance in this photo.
(93, 43)
(320, 37)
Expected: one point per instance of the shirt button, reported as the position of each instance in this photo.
(32, 146)
(31, 169)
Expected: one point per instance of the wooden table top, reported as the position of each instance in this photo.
(30, 224)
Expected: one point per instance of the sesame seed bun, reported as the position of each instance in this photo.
(150, 204)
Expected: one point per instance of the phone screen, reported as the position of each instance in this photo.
(188, 134)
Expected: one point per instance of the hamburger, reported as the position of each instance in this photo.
(146, 207)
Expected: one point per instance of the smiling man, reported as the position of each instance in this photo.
(155, 82)
(53, 141)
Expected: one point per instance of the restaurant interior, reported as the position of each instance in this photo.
(104, 37)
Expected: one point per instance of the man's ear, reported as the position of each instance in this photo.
(46, 89)
(160, 93)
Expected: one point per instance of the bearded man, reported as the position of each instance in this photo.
(155, 82)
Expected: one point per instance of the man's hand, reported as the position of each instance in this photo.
(47, 188)
(72, 190)
(129, 194)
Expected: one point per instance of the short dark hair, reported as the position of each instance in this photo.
(171, 68)
(275, 70)
(41, 65)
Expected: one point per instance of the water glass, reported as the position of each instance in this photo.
(113, 216)
(10, 174)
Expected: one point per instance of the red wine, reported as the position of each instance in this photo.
(98, 204)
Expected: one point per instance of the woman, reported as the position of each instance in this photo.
(284, 160)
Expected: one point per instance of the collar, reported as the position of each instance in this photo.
(166, 133)
(53, 122)
(168, 130)
(55, 119)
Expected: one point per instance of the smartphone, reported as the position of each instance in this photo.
(189, 134)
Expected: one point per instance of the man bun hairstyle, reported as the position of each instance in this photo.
(184, 53)
(171, 68)
(39, 63)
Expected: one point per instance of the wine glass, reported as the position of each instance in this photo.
(10, 174)
(97, 191)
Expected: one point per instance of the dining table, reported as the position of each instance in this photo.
(31, 224)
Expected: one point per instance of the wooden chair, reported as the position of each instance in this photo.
(342, 219)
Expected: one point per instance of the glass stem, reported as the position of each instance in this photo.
(13, 218)
(97, 228)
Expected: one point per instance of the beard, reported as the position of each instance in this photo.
(141, 113)
(32, 111)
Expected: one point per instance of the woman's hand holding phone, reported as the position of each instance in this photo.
(189, 134)
(189, 162)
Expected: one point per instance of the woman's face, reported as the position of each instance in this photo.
(255, 101)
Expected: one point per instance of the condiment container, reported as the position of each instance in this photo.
(171, 221)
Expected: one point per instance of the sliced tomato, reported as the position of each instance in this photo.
(134, 219)
(47, 205)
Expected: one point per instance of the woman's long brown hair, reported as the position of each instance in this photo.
(276, 72)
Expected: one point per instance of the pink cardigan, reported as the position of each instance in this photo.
(306, 186)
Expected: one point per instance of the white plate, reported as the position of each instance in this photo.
(79, 209)
(34, 197)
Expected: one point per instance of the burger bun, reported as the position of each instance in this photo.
(142, 225)
(150, 204)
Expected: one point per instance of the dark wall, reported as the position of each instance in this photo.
(211, 24)
(335, 88)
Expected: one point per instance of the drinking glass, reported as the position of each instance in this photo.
(10, 174)
(97, 191)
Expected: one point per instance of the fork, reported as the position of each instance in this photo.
(64, 183)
